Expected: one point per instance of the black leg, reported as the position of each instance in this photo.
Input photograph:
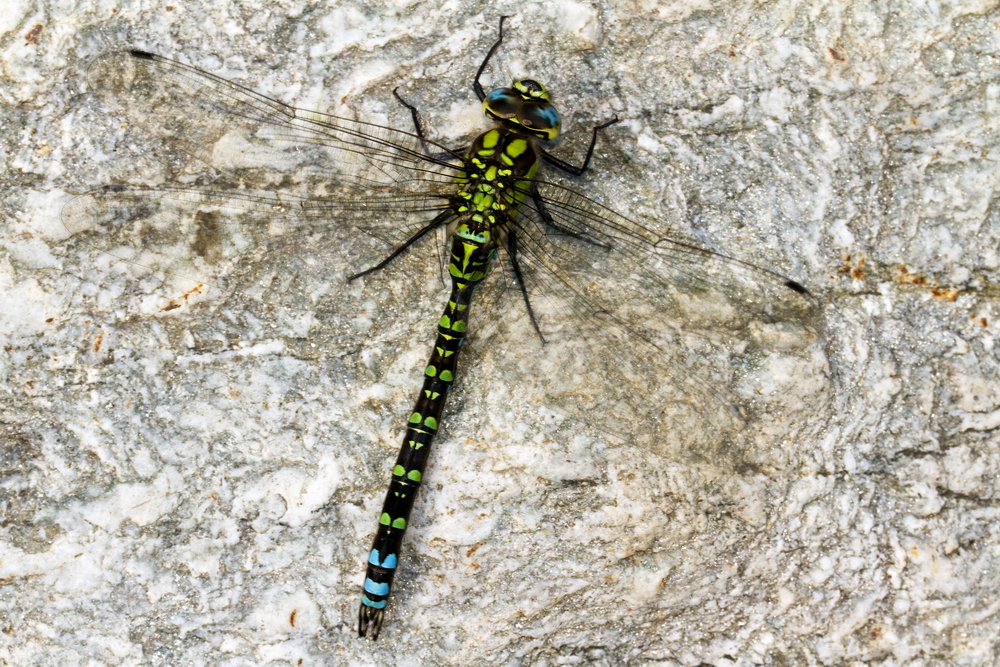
(414, 114)
(548, 220)
(571, 169)
(445, 155)
(442, 218)
(519, 277)
(476, 86)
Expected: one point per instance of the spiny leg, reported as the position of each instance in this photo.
(476, 86)
(419, 127)
(572, 169)
(549, 221)
(519, 278)
(441, 219)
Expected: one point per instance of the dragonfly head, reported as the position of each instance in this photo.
(525, 106)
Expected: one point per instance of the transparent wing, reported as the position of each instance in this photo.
(337, 178)
(690, 282)
(270, 247)
(237, 130)
(658, 318)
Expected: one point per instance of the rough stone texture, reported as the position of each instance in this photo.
(199, 486)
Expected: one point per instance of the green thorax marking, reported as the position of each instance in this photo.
(499, 166)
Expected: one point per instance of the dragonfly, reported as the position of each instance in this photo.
(546, 254)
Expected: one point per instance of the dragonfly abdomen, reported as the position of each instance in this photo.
(469, 265)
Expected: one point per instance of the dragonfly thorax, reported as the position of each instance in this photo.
(525, 106)
(498, 169)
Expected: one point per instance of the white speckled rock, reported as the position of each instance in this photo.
(183, 490)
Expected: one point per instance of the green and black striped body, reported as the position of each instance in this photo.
(491, 187)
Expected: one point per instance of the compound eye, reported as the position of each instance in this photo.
(541, 119)
(502, 103)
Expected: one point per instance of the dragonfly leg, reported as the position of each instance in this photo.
(549, 221)
(419, 127)
(442, 218)
(573, 169)
(519, 277)
(476, 86)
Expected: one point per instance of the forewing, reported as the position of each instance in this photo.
(701, 286)
(235, 129)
